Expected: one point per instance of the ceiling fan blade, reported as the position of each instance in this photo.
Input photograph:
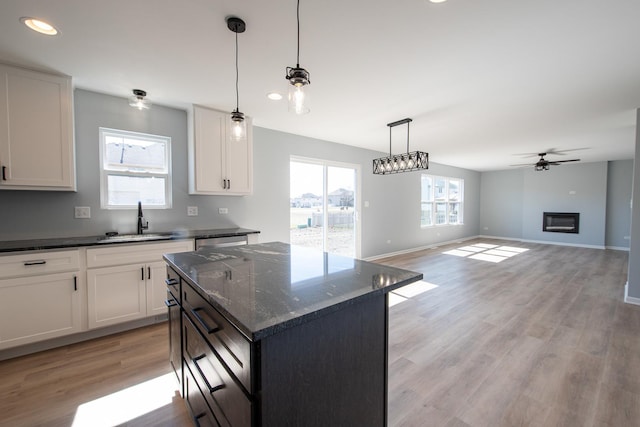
(550, 151)
(565, 161)
(563, 152)
(524, 164)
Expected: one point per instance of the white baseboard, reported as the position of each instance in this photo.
(513, 239)
(420, 248)
(546, 242)
(482, 236)
(627, 298)
(617, 248)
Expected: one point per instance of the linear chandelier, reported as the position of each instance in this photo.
(405, 162)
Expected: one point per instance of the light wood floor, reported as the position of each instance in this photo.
(541, 338)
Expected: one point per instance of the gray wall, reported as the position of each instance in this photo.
(394, 201)
(501, 195)
(633, 288)
(568, 188)
(512, 202)
(619, 190)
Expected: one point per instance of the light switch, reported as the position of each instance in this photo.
(192, 211)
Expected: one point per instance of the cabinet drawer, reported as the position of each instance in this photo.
(200, 412)
(134, 253)
(173, 284)
(226, 399)
(35, 263)
(232, 347)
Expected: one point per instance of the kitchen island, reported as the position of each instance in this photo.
(273, 335)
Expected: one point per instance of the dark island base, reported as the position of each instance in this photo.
(329, 372)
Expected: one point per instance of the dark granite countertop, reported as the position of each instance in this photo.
(264, 288)
(73, 242)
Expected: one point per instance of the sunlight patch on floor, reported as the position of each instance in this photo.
(407, 292)
(128, 404)
(486, 252)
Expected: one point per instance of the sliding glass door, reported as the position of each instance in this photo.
(324, 200)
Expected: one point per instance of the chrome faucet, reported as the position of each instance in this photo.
(142, 223)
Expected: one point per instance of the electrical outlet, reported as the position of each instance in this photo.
(192, 211)
(223, 211)
(82, 212)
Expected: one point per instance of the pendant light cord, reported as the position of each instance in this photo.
(237, 74)
(298, 20)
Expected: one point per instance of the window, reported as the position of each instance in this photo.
(441, 201)
(134, 167)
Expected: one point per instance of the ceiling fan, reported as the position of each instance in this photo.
(543, 164)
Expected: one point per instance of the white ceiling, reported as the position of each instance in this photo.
(483, 81)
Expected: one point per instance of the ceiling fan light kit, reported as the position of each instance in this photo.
(544, 165)
(405, 162)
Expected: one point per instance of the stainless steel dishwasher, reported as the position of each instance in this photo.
(221, 242)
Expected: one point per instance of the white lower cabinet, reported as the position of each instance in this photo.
(129, 283)
(116, 294)
(38, 298)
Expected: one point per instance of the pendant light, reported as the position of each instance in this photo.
(237, 122)
(138, 101)
(299, 78)
(405, 162)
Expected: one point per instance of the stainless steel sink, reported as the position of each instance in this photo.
(134, 237)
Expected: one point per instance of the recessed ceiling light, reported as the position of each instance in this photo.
(39, 26)
(274, 96)
(437, 1)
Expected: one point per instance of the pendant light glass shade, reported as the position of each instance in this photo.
(237, 123)
(298, 90)
(238, 126)
(138, 101)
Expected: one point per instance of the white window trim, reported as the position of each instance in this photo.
(447, 202)
(104, 174)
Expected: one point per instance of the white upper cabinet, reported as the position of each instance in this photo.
(36, 131)
(218, 165)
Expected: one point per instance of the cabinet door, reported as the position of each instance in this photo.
(239, 167)
(116, 294)
(208, 150)
(38, 307)
(36, 127)
(156, 288)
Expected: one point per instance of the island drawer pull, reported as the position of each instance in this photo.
(204, 377)
(171, 282)
(198, 316)
(171, 303)
(35, 262)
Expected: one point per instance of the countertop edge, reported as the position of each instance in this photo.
(88, 241)
(273, 329)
